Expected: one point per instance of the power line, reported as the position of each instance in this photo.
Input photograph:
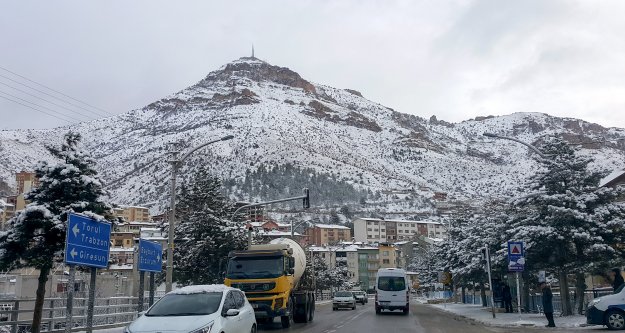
(28, 106)
(48, 101)
(55, 97)
(37, 105)
(56, 91)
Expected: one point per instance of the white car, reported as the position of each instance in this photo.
(198, 309)
(608, 310)
(344, 299)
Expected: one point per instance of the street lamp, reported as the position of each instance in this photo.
(491, 135)
(176, 163)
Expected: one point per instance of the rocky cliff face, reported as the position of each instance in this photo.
(279, 118)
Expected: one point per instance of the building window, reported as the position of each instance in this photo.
(386, 261)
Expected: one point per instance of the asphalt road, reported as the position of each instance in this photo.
(422, 318)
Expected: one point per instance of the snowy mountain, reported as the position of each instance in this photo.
(288, 127)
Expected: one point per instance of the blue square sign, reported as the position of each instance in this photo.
(150, 256)
(516, 257)
(87, 241)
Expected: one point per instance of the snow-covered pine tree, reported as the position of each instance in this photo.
(205, 233)
(36, 235)
(462, 253)
(567, 222)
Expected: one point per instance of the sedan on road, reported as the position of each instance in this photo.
(344, 299)
(361, 297)
(198, 309)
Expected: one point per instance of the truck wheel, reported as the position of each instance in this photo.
(287, 320)
(615, 320)
(311, 313)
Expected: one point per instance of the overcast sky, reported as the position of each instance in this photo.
(452, 59)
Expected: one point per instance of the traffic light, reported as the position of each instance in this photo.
(306, 200)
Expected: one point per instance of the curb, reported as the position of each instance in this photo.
(473, 321)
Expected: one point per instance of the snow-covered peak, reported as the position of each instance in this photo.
(280, 119)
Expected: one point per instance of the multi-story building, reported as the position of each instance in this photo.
(347, 256)
(368, 265)
(388, 256)
(373, 230)
(133, 213)
(135, 227)
(324, 234)
(25, 182)
(7, 211)
(123, 239)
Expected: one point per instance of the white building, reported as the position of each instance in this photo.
(372, 230)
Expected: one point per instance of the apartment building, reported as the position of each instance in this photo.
(388, 256)
(368, 265)
(25, 182)
(133, 213)
(371, 230)
(324, 234)
(7, 211)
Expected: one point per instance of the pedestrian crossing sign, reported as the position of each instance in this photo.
(516, 257)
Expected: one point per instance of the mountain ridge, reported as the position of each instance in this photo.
(279, 117)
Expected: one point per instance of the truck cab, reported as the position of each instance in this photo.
(269, 275)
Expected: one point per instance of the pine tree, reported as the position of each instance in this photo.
(568, 223)
(36, 235)
(205, 235)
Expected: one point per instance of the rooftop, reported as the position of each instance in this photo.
(397, 221)
(331, 226)
(611, 177)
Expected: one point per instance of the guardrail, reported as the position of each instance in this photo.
(16, 314)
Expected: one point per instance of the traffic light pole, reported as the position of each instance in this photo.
(305, 201)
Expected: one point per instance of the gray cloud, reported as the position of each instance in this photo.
(455, 59)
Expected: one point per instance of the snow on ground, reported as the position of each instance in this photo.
(484, 316)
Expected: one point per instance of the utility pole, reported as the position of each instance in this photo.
(176, 163)
(490, 281)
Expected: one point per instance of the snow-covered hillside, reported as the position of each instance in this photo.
(278, 118)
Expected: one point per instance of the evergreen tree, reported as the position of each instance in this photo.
(205, 235)
(567, 223)
(36, 235)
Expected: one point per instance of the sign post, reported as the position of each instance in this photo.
(87, 243)
(516, 263)
(150, 260)
(490, 281)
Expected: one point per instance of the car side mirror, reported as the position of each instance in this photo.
(232, 313)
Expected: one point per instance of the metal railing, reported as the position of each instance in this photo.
(16, 314)
(536, 300)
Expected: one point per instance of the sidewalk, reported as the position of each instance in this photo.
(484, 316)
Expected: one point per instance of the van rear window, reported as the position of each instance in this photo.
(391, 283)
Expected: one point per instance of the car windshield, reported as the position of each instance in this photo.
(186, 305)
(391, 283)
(343, 294)
(255, 268)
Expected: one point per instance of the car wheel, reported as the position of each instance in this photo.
(333, 308)
(253, 330)
(406, 310)
(377, 310)
(615, 320)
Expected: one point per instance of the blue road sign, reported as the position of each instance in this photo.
(88, 242)
(516, 257)
(150, 256)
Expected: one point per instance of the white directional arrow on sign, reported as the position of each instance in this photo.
(75, 230)
(73, 253)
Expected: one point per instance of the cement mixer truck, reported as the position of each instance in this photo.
(270, 275)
